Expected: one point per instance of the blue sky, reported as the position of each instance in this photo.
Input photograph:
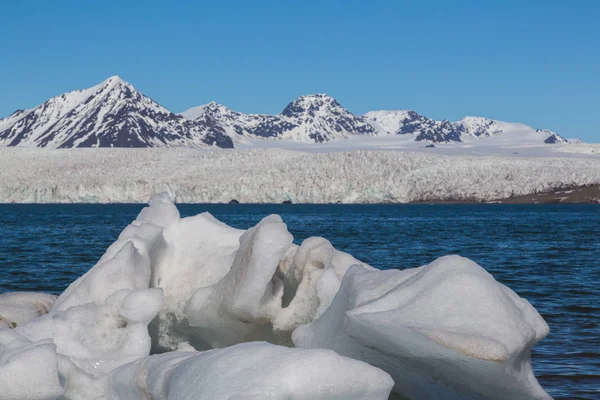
(536, 62)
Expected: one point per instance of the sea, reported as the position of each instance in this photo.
(548, 254)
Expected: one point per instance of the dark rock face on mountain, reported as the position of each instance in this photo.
(112, 114)
(427, 129)
(553, 137)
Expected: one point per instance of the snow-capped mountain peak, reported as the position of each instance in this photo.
(210, 108)
(389, 121)
(309, 118)
(319, 118)
(111, 114)
(234, 124)
(311, 104)
(479, 126)
(468, 128)
(114, 79)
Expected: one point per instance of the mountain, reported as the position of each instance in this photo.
(115, 114)
(311, 118)
(403, 122)
(409, 122)
(111, 114)
(321, 118)
(234, 123)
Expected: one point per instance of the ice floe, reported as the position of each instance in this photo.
(190, 308)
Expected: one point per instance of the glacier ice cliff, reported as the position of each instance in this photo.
(276, 176)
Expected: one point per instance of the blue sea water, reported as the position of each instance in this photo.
(548, 254)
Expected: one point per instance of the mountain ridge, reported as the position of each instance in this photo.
(114, 114)
(111, 114)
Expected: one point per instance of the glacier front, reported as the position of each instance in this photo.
(190, 308)
(276, 175)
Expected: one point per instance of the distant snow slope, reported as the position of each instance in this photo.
(111, 114)
(275, 176)
(580, 148)
(466, 130)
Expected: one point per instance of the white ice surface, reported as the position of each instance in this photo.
(17, 308)
(28, 370)
(251, 371)
(174, 285)
(275, 176)
(447, 330)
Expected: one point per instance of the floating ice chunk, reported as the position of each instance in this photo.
(125, 270)
(255, 370)
(250, 295)
(97, 338)
(78, 384)
(145, 378)
(100, 321)
(251, 290)
(147, 239)
(161, 211)
(223, 286)
(326, 287)
(311, 279)
(17, 308)
(130, 262)
(28, 370)
(309, 262)
(141, 306)
(200, 252)
(446, 330)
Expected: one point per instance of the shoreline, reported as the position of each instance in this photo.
(571, 195)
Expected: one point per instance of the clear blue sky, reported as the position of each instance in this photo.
(530, 61)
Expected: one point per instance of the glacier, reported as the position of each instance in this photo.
(190, 308)
(277, 175)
